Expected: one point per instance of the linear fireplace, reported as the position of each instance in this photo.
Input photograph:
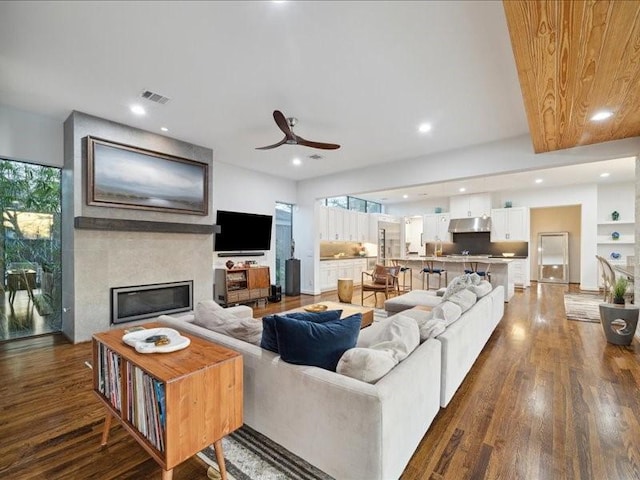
(146, 301)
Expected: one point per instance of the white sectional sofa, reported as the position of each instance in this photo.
(351, 429)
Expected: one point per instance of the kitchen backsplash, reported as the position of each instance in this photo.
(479, 244)
(329, 249)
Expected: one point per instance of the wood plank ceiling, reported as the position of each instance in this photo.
(574, 59)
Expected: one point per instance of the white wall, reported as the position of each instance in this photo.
(31, 138)
(241, 190)
(420, 207)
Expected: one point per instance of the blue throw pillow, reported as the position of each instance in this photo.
(269, 340)
(316, 344)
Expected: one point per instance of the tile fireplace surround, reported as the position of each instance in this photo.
(94, 261)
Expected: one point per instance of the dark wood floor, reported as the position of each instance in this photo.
(20, 318)
(548, 398)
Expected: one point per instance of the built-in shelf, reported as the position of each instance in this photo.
(611, 222)
(96, 223)
(616, 242)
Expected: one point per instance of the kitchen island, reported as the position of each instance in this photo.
(501, 269)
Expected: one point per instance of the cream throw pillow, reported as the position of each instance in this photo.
(210, 315)
(428, 326)
(447, 311)
(464, 298)
(395, 342)
(481, 289)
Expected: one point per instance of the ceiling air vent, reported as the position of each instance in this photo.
(154, 97)
(315, 156)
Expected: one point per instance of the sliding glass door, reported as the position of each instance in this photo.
(30, 274)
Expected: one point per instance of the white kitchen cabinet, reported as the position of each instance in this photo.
(373, 227)
(335, 223)
(329, 275)
(332, 270)
(510, 224)
(323, 232)
(362, 227)
(339, 224)
(463, 206)
(521, 272)
(435, 227)
(359, 266)
(345, 269)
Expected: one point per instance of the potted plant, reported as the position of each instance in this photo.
(619, 289)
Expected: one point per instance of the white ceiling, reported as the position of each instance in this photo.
(619, 170)
(361, 74)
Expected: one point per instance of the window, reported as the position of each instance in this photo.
(353, 203)
(341, 202)
(357, 204)
(30, 272)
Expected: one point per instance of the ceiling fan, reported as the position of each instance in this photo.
(286, 125)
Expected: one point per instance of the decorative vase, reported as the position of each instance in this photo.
(615, 235)
(618, 300)
(229, 264)
(508, 204)
(615, 216)
(615, 256)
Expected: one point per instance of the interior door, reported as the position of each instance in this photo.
(553, 257)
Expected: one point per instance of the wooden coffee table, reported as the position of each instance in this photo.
(348, 309)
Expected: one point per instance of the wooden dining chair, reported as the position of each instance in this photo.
(382, 279)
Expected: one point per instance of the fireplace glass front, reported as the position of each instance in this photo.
(146, 301)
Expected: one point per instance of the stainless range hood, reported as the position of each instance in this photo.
(470, 225)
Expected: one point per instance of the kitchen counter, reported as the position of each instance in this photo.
(456, 259)
(347, 257)
(501, 269)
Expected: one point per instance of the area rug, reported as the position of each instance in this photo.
(250, 455)
(582, 307)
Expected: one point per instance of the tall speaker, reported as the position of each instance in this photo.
(292, 277)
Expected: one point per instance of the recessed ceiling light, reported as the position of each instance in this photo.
(138, 110)
(602, 115)
(424, 127)
(296, 161)
(164, 129)
(405, 196)
(539, 180)
(462, 189)
(605, 174)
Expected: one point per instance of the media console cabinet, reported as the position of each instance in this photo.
(173, 404)
(242, 285)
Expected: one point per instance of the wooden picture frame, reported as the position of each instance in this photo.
(124, 176)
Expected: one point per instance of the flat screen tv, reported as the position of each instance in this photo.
(242, 232)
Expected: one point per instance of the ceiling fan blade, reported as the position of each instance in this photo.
(283, 124)
(281, 142)
(323, 146)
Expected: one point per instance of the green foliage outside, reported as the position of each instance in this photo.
(32, 188)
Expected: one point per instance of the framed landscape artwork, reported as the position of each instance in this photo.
(123, 176)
